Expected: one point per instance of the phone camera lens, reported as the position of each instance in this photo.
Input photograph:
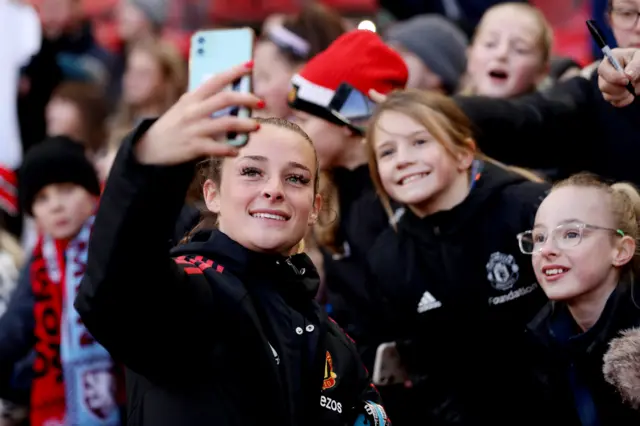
(200, 51)
(201, 40)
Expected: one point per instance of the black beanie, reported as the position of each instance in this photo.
(57, 159)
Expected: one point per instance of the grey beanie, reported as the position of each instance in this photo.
(155, 10)
(438, 42)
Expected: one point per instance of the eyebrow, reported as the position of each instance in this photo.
(562, 222)
(263, 159)
(410, 135)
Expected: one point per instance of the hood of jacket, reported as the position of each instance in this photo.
(622, 365)
(294, 275)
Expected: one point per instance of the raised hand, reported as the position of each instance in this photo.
(187, 131)
(613, 83)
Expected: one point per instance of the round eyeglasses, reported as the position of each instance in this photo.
(565, 236)
(624, 18)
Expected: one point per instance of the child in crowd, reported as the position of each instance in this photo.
(447, 275)
(74, 379)
(509, 54)
(584, 248)
(438, 65)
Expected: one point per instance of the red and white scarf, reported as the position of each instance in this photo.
(74, 381)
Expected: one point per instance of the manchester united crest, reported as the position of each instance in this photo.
(329, 376)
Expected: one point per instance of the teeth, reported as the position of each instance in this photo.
(269, 216)
(412, 178)
(554, 271)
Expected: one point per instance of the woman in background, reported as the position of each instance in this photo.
(285, 47)
(79, 111)
(154, 79)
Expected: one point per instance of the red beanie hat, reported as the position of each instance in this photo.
(359, 58)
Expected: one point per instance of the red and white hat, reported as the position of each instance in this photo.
(358, 58)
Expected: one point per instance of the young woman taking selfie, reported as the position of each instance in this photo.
(224, 329)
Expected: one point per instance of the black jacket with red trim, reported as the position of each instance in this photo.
(211, 333)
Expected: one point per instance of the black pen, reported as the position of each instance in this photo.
(599, 39)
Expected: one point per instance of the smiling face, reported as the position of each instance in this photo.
(266, 199)
(577, 267)
(415, 168)
(507, 56)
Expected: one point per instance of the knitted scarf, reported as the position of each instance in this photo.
(74, 381)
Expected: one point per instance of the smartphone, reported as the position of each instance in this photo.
(215, 51)
(388, 368)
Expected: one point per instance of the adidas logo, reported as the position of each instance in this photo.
(428, 302)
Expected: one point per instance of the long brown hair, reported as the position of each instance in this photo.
(174, 72)
(442, 118)
(92, 107)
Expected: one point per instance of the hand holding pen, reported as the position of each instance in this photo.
(614, 84)
(618, 73)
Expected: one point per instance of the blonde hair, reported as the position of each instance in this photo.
(625, 207)
(545, 42)
(442, 118)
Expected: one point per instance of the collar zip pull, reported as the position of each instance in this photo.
(296, 270)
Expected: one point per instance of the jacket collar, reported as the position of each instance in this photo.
(293, 274)
(554, 326)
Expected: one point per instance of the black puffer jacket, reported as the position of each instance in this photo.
(212, 333)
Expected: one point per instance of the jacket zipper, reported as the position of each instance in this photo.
(296, 270)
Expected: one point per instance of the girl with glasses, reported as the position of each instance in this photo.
(584, 253)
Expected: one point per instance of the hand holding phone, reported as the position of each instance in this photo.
(186, 132)
(212, 52)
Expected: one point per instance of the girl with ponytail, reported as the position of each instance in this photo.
(584, 248)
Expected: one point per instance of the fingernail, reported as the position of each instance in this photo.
(261, 104)
(248, 65)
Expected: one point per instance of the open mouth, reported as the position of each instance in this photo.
(270, 216)
(499, 75)
(411, 178)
